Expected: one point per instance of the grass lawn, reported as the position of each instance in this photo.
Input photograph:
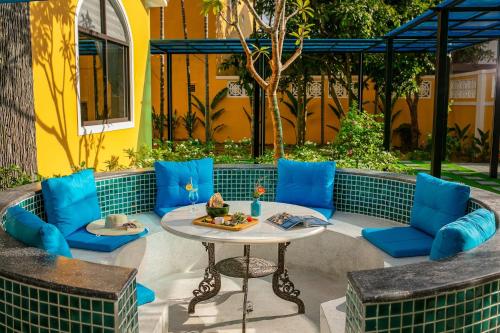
(458, 173)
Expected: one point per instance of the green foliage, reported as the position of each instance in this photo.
(214, 112)
(338, 113)
(160, 120)
(79, 167)
(190, 121)
(113, 164)
(404, 133)
(363, 149)
(12, 176)
(296, 108)
(359, 144)
(481, 147)
(458, 142)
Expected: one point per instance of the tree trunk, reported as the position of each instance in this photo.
(188, 66)
(208, 120)
(17, 114)
(273, 108)
(162, 76)
(412, 102)
(302, 116)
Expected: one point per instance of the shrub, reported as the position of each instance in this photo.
(12, 176)
(359, 144)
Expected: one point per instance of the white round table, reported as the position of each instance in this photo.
(179, 222)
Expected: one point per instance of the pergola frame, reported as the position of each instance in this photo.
(450, 26)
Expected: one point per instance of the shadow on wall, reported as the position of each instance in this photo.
(53, 44)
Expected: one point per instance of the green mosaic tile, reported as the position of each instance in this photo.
(24, 308)
(466, 310)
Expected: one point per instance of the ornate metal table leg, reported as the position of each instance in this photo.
(210, 285)
(282, 286)
(245, 287)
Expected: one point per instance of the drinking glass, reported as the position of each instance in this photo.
(193, 198)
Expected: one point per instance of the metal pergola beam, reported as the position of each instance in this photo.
(495, 142)
(170, 124)
(256, 152)
(442, 80)
(389, 66)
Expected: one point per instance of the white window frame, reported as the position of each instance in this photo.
(114, 126)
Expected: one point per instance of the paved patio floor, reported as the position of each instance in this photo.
(223, 313)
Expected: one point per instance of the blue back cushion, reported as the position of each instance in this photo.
(464, 234)
(71, 202)
(306, 183)
(29, 229)
(436, 203)
(172, 177)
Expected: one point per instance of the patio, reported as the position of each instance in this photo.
(296, 246)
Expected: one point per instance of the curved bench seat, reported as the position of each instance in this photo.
(363, 199)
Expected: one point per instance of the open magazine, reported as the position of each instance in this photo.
(287, 221)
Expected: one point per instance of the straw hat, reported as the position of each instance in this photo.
(115, 225)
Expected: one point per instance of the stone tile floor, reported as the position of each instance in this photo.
(222, 314)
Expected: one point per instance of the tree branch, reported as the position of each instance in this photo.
(295, 55)
(282, 35)
(295, 12)
(250, 61)
(266, 27)
(277, 14)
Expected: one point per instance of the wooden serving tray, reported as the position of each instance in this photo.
(199, 221)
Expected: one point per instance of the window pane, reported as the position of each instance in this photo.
(91, 78)
(90, 15)
(114, 24)
(117, 80)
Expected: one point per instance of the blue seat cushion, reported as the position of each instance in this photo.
(144, 294)
(30, 230)
(84, 240)
(436, 203)
(307, 184)
(161, 211)
(399, 242)
(71, 202)
(172, 178)
(327, 213)
(464, 234)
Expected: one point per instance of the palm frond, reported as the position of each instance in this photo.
(291, 122)
(219, 97)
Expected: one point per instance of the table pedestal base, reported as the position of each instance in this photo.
(211, 283)
(282, 286)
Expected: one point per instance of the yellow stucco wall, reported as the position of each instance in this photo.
(54, 74)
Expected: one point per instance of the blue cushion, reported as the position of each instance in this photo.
(464, 234)
(172, 178)
(144, 294)
(436, 203)
(399, 242)
(82, 239)
(71, 202)
(307, 184)
(161, 211)
(29, 229)
(328, 213)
